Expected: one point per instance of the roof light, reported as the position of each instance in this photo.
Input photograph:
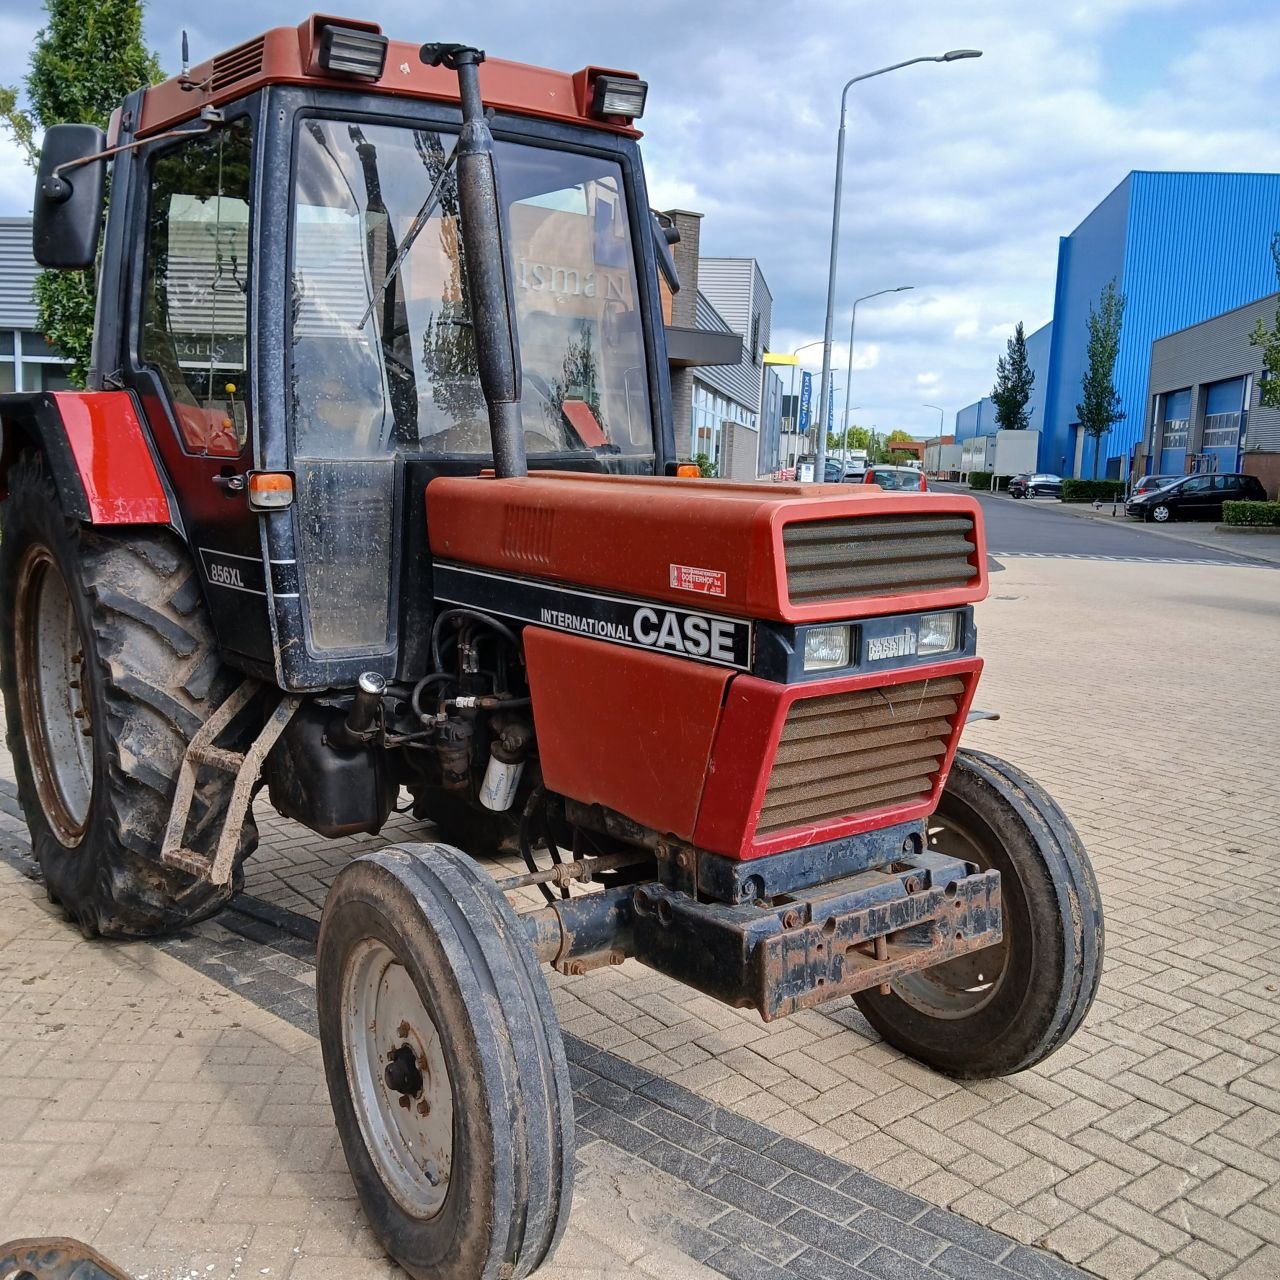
(619, 96)
(270, 490)
(688, 470)
(344, 52)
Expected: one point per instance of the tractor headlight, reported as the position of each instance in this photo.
(939, 633)
(826, 648)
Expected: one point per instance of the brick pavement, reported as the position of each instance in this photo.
(162, 1117)
(1151, 1144)
(243, 1166)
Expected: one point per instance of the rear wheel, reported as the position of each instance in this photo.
(1007, 1007)
(445, 1065)
(108, 668)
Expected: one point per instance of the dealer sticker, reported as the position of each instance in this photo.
(706, 582)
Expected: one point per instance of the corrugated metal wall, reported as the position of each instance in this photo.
(1090, 256)
(727, 284)
(1038, 348)
(1182, 247)
(977, 419)
(735, 288)
(739, 381)
(18, 273)
(1198, 245)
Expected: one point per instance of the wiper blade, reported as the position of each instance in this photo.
(420, 220)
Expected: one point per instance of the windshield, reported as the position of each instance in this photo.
(386, 365)
(895, 479)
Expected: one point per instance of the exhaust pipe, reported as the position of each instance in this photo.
(485, 244)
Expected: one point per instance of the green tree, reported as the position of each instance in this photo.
(1269, 340)
(854, 438)
(1014, 380)
(899, 436)
(86, 58)
(1100, 410)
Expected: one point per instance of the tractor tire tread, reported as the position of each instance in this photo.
(158, 680)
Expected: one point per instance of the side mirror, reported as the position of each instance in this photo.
(68, 206)
(664, 236)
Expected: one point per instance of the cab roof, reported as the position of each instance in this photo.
(290, 55)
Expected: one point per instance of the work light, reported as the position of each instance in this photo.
(619, 96)
(345, 52)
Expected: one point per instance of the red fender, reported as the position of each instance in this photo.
(97, 453)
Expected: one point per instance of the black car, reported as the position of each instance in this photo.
(1196, 497)
(1036, 485)
(1148, 484)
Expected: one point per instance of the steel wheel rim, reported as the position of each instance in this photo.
(50, 660)
(960, 987)
(407, 1132)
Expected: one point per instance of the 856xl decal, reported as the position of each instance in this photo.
(709, 637)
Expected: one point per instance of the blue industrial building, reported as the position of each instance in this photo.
(1181, 247)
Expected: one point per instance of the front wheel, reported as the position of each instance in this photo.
(445, 1065)
(1009, 1006)
(1162, 514)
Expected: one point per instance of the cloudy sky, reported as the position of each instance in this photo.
(959, 177)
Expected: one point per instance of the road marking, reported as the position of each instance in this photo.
(1232, 560)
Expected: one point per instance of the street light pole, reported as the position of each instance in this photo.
(941, 416)
(950, 56)
(848, 376)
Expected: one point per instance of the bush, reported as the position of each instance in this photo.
(979, 480)
(1091, 490)
(1251, 513)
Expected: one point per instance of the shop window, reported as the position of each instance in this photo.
(196, 286)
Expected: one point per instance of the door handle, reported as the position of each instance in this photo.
(231, 484)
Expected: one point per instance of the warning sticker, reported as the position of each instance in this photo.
(706, 582)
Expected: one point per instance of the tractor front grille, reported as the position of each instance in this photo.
(843, 754)
(885, 555)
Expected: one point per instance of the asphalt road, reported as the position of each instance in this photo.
(1037, 527)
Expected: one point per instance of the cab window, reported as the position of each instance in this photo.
(196, 285)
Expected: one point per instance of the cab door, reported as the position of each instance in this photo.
(189, 361)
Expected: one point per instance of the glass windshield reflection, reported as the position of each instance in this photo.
(383, 362)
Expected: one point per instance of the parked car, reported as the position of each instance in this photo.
(833, 470)
(1149, 484)
(906, 478)
(1036, 485)
(1196, 497)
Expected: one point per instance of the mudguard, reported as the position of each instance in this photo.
(96, 450)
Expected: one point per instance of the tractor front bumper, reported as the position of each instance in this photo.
(790, 952)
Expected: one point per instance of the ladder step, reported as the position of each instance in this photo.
(188, 860)
(219, 757)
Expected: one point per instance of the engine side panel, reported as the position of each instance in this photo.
(623, 727)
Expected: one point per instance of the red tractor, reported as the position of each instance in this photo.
(374, 488)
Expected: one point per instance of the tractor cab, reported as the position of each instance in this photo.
(285, 290)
